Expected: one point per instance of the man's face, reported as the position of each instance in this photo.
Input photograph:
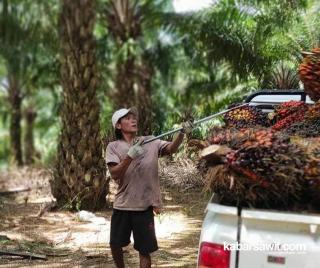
(128, 123)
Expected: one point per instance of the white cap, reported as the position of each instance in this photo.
(121, 113)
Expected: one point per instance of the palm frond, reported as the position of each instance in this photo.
(283, 77)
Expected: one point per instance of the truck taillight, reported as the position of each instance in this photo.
(213, 256)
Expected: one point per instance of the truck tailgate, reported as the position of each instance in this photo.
(220, 226)
(279, 240)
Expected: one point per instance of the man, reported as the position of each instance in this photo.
(134, 167)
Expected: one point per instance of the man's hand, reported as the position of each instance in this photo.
(173, 146)
(156, 210)
(187, 127)
(135, 150)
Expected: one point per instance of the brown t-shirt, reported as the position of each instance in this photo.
(139, 188)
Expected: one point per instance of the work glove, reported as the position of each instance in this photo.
(135, 150)
(187, 127)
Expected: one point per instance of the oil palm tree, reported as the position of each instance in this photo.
(129, 23)
(19, 33)
(79, 178)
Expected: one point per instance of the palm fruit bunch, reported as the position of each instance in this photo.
(236, 138)
(307, 128)
(265, 170)
(288, 121)
(289, 113)
(277, 166)
(231, 137)
(244, 117)
(312, 169)
(309, 72)
(221, 135)
(233, 187)
(312, 175)
(310, 126)
(261, 137)
(290, 107)
(313, 111)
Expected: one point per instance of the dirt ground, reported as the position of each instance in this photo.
(70, 240)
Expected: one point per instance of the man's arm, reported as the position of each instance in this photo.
(117, 171)
(172, 147)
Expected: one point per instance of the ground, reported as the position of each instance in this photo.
(72, 239)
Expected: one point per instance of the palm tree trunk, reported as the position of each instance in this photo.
(123, 95)
(132, 79)
(143, 100)
(29, 149)
(79, 178)
(15, 99)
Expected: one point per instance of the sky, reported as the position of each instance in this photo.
(190, 5)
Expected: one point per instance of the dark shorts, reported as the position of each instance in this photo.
(140, 223)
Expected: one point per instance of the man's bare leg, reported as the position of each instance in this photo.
(145, 261)
(117, 254)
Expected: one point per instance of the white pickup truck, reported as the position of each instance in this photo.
(233, 237)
